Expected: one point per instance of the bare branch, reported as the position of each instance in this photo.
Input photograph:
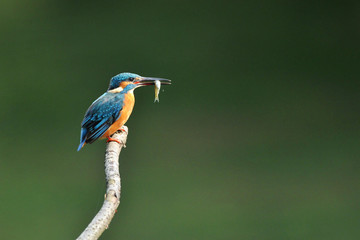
(113, 189)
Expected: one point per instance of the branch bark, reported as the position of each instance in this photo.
(113, 189)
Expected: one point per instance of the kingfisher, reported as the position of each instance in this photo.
(110, 111)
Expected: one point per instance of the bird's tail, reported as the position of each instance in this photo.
(82, 138)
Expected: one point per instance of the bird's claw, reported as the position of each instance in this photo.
(123, 129)
(113, 140)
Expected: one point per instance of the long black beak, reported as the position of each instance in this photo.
(146, 81)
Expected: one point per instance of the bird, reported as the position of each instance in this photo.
(110, 111)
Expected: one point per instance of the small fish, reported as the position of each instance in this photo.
(157, 90)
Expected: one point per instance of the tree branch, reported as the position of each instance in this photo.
(113, 189)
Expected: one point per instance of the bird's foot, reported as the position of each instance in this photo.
(123, 129)
(113, 140)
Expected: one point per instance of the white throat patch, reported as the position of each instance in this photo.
(116, 90)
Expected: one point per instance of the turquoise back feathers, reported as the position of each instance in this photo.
(102, 113)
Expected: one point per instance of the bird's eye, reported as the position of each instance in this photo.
(131, 79)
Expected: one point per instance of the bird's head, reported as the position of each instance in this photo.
(132, 80)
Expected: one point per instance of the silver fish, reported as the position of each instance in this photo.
(157, 90)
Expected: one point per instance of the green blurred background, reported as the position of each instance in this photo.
(257, 138)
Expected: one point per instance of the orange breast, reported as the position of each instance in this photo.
(125, 113)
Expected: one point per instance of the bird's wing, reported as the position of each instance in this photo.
(100, 116)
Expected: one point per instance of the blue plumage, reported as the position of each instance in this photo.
(100, 116)
(106, 114)
(82, 138)
(115, 81)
